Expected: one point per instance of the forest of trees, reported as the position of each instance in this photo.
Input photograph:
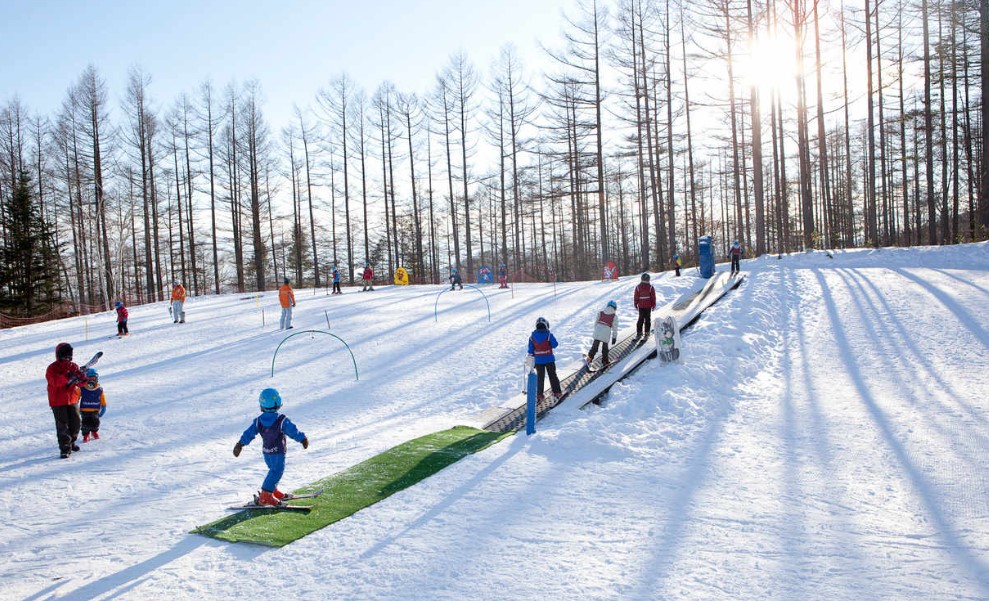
(658, 121)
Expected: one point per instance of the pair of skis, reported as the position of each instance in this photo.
(283, 505)
(85, 367)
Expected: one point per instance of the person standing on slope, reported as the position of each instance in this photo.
(286, 298)
(644, 299)
(541, 345)
(735, 254)
(605, 329)
(178, 300)
(367, 276)
(502, 276)
(455, 279)
(336, 281)
(64, 379)
(121, 318)
(676, 263)
(273, 427)
(92, 405)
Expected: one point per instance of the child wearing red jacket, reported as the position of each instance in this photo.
(121, 319)
(644, 299)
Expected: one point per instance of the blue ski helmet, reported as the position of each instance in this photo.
(542, 324)
(612, 304)
(92, 374)
(118, 304)
(270, 400)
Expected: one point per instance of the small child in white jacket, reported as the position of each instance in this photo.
(605, 329)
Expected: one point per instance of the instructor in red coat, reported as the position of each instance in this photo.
(64, 380)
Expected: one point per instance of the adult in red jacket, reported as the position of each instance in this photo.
(644, 299)
(64, 379)
(367, 276)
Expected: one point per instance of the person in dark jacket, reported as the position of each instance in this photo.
(121, 319)
(64, 379)
(644, 299)
(735, 254)
(541, 345)
(455, 279)
(273, 427)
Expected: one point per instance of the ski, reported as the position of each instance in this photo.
(82, 368)
(279, 506)
(311, 495)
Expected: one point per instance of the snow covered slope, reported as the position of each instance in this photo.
(825, 438)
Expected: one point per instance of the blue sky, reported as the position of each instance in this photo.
(292, 47)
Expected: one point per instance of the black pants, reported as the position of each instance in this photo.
(541, 372)
(122, 328)
(734, 264)
(336, 288)
(677, 268)
(594, 350)
(66, 426)
(644, 325)
(90, 421)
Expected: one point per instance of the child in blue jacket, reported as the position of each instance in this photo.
(92, 406)
(541, 345)
(273, 428)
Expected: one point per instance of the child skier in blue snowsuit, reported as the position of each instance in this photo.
(541, 345)
(273, 428)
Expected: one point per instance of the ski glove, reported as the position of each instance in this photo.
(102, 410)
(237, 449)
(305, 443)
(614, 339)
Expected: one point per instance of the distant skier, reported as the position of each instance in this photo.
(605, 329)
(455, 279)
(541, 345)
(286, 298)
(644, 299)
(502, 276)
(121, 318)
(676, 263)
(92, 405)
(178, 300)
(64, 379)
(735, 253)
(336, 281)
(273, 428)
(367, 276)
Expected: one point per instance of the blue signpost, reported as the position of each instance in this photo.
(530, 404)
(706, 255)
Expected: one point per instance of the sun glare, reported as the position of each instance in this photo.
(770, 63)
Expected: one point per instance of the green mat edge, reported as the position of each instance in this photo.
(220, 529)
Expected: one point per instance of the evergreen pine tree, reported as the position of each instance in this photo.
(29, 269)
